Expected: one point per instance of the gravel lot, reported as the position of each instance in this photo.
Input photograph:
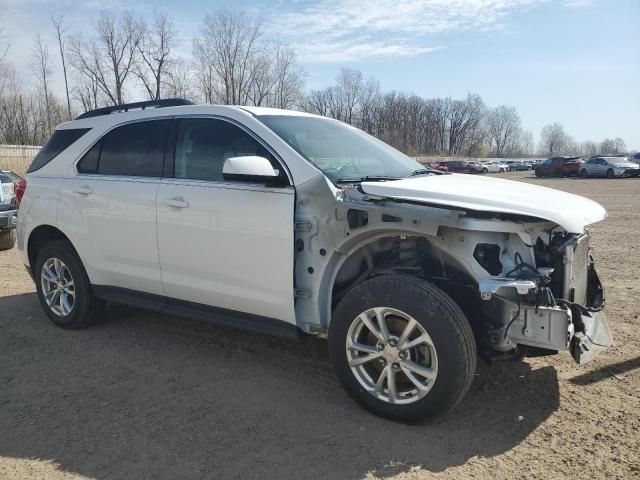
(142, 396)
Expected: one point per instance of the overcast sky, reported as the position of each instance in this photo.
(572, 61)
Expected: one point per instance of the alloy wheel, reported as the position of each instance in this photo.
(58, 288)
(391, 355)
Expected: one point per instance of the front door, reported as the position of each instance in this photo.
(226, 244)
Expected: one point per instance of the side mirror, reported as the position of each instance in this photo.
(250, 169)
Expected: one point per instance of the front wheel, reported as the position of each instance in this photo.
(583, 173)
(402, 348)
(485, 170)
(610, 173)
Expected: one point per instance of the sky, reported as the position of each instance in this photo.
(576, 62)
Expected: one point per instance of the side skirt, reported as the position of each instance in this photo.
(197, 311)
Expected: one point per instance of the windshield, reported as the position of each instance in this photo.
(342, 152)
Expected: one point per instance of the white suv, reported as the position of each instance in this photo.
(290, 223)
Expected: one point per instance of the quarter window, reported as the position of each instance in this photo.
(203, 145)
(59, 141)
(135, 150)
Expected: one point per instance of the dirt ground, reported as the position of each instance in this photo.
(145, 396)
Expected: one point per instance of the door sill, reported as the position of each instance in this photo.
(218, 316)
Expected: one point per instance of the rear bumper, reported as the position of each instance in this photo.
(8, 219)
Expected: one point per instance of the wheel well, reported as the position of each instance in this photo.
(39, 237)
(414, 256)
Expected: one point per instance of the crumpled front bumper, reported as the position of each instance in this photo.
(595, 338)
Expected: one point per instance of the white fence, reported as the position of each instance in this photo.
(17, 157)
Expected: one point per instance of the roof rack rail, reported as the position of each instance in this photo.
(125, 107)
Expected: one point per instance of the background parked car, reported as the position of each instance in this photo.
(8, 179)
(493, 167)
(515, 165)
(461, 166)
(437, 166)
(609, 167)
(559, 167)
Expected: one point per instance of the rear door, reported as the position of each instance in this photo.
(227, 244)
(114, 194)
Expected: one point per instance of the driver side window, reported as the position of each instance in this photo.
(204, 144)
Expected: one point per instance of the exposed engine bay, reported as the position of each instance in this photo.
(526, 283)
(541, 298)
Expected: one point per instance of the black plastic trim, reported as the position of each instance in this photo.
(167, 102)
(181, 308)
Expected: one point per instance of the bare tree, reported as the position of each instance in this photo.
(42, 70)
(317, 101)
(178, 80)
(527, 146)
(154, 49)
(618, 145)
(589, 149)
(464, 115)
(62, 40)
(227, 51)
(553, 139)
(88, 93)
(109, 57)
(288, 78)
(503, 124)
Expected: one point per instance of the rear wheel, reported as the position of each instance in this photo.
(485, 170)
(610, 173)
(402, 348)
(7, 239)
(63, 287)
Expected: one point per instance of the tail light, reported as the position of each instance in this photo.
(19, 189)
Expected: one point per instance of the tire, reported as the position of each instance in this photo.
(538, 173)
(85, 308)
(485, 170)
(450, 356)
(583, 173)
(7, 239)
(610, 173)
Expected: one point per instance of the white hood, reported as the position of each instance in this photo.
(487, 194)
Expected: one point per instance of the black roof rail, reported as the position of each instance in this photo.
(125, 107)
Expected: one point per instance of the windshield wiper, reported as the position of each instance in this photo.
(425, 171)
(368, 178)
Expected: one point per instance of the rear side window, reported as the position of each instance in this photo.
(59, 141)
(135, 150)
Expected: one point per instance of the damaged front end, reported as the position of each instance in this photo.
(553, 306)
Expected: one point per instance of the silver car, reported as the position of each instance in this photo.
(609, 167)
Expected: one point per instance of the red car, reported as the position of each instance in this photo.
(559, 167)
(437, 166)
(461, 166)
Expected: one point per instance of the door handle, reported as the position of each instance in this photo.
(84, 190)
(175, 202)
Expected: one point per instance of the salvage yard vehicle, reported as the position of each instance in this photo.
(8, 181)
(8, 210)
(609, 167)
(8, 220)
(287, 223)
(461, 166)
(493, 167)
(559, 167)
